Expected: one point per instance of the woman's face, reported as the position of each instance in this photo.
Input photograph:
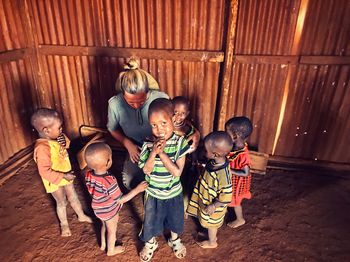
(135, 100)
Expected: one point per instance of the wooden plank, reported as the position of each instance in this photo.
(161, 54)
(325, 60)
(266, 59)
(13, 55)
(228, 64)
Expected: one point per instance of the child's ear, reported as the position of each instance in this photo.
(108, 161)
(46, 130)
(216, 154)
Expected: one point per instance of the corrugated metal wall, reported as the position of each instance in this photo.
(67, 54)
(272, 61)
(17, 90)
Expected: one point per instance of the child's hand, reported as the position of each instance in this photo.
(210, 209)
(159, 145)
(142, 186)
(69, 176)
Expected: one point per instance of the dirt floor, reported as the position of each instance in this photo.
(292, 217)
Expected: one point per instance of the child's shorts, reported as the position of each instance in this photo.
(162, 214)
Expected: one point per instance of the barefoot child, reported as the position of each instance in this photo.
(184, 127)
(239, 128)
(162, 161)
(51, 156)
(107, 199)
(213, 190)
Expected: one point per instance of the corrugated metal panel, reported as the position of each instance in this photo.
(266, 27)
(327, 28)
(256, 92)
(196, 24)
(80, 87)
(317, 120)
(17, 101)
(11, 28)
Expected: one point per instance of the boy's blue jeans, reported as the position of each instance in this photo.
(162, 214)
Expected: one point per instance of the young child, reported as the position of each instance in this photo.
(107, 199)
(213, 190)
(162, 161)
(51, 156)
(239, 128)
(184, 127)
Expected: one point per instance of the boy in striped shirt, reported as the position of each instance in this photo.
(213, 190)
(107, 199)
(163, 161)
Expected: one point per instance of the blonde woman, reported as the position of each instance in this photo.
(128, 117)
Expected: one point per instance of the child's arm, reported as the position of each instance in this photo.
(140, 188)
(245, 171)
(174, 168)
(195, 137)
(42, 157)
(224, 196)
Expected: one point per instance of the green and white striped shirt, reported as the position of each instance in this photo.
(161, 184)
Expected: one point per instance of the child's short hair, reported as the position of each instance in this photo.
(161, 104)
(240, 125)
(182, 101)
(132, 80)
(40, 114)
(95, 152)
(220, 140)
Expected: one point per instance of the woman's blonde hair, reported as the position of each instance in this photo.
(132, 80)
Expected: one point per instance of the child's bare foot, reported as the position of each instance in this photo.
(85, 218)
(236, 223)
(116, 250)
(206, 244)
(65, 231)
(103, 246)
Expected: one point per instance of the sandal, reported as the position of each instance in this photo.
(147, 251)
(178, 248)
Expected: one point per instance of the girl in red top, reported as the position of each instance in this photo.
(239, 128)
(107, 199)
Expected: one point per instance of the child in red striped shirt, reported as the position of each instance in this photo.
(239, 128)
(107, 199)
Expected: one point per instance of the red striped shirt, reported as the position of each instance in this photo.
(105, 194)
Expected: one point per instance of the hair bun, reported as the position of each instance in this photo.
(131, 64)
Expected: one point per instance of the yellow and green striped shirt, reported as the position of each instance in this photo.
(214, 185)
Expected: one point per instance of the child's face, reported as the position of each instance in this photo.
(233, 135)
(162, 125)
(53, 128)
(209, 153)
(180, 113)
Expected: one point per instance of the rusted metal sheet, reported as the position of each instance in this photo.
(11, 28)
(327, 28)
(316, 124)
(256, 91)
(180, 25)
(17, 101)
(266, 27)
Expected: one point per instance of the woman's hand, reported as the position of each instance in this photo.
(133, 150)
(195, 137)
